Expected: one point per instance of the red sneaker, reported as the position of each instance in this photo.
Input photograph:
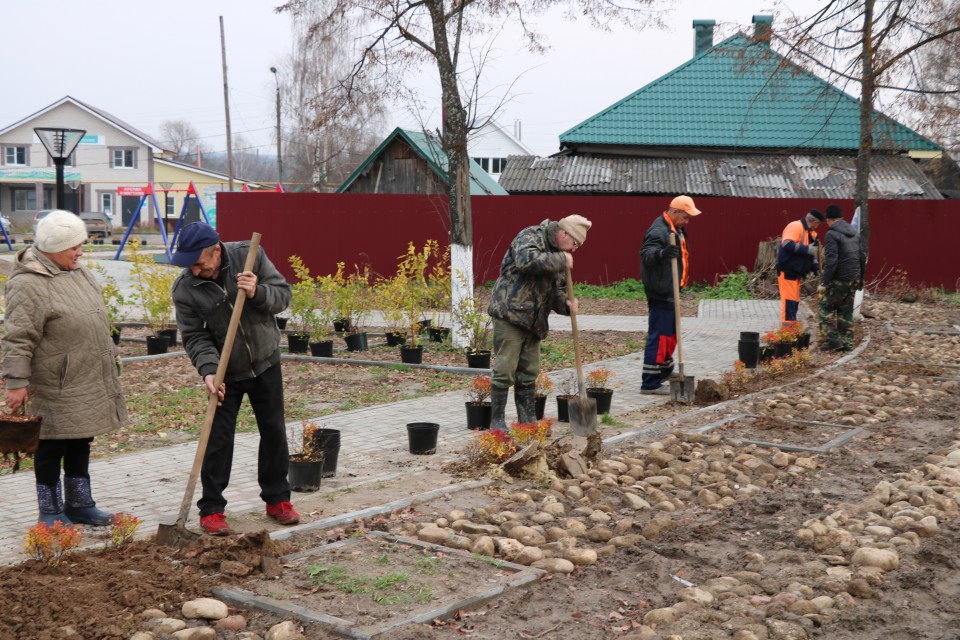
(215, 524)
(283, 513)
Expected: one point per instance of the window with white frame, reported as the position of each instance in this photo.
(106, 203)
(24, 199)
(124, 158)
(492, 165)
(15, 155)
(169, 203)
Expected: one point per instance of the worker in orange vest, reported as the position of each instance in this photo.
(796, 258)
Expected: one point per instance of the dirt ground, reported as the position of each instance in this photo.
(750, 553)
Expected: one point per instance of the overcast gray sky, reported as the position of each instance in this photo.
(149, 62)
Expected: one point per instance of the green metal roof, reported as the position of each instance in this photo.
(429, 148)
(740, 93)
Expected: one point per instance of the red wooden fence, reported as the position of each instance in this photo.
(323, 229)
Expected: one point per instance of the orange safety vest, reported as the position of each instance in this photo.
(683, 250)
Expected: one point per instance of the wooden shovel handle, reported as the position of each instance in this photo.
(676, 306)
(576, 336)
(218, 380)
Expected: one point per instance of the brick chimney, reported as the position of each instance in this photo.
(702, 35)
(762, 28)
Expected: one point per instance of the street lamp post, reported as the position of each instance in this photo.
(74, 185)
(166, 207)
(273, 70)
(59, 143)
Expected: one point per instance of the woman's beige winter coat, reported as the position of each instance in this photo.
(58, 344)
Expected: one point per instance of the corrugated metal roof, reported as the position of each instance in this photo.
(742, 176)
(740, 94)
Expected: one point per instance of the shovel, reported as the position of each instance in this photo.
(582, 411)
(175, 535)
(682, 388)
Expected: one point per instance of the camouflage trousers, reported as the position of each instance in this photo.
(836, 314)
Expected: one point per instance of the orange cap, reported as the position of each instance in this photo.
(684, 203)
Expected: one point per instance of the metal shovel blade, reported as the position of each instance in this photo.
(175, 535)
(682, 389)
(582, 412)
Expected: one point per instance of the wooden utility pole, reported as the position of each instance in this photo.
(226, 104)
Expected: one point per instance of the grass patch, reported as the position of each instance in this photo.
(732, 286)
(629, 289)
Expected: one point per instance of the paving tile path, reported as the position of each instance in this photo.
(150, 484)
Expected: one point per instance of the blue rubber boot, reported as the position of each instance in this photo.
(80, 506)
(50, 501)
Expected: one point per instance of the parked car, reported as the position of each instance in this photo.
(38, 216)
(98, 223)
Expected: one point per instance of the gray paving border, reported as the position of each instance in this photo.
(522, 575)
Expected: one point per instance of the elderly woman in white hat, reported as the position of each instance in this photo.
(58, 359)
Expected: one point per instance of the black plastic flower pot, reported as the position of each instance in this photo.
(766, 354)
(751, 336)
(297, 343)
(423, 437)
(328, 441)
(438, 334)
(305, 475)
(115, 334)
(171, 336)
(156, 345)
(411, 355)
(540, 404)
(322, 349)
(281, 323)
(342, 325)
(603, 398)
(422, 326)
(356, 341)
(783, 349)
(563, 414)
(478, 360)
(479, 415)
(748, 352)
(395, 339)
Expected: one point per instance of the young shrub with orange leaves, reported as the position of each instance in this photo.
(524, 434)
(479, 390)
(599, 378)
(490, 447)
(51, 543)
(122, 528)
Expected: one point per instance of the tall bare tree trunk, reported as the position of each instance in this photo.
(868, 83)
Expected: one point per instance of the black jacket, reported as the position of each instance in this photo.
(656, 272)
(843, 259)
(204, 308)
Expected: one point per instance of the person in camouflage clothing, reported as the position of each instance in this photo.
(532, 283)
(842, 274)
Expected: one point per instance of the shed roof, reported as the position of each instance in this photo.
(740, 94)
(742, 175)
(429, 148)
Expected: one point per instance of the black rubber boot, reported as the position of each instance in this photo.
(525, 398)
(498, 401)
(50, 501)
(80, 507)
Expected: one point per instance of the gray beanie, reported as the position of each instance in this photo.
(60, 230)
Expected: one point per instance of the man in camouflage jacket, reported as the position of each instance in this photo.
(532, 283)
(843, 268)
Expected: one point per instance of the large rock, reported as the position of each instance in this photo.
(206, 608)
(285, 631)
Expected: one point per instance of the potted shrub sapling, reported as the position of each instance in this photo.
(567, 390)
(598, 387)
(321, 345)
(388, 297)
(152, 293)
(474, 326)
(412, 302)
(351, 302)
(479, 409)
(113, 299)
(306, 465)
(543, 388)
(302, 304)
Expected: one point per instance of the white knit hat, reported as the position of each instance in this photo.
(60, 230)
(576, 227)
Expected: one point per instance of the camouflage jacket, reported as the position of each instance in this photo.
(532, 280)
